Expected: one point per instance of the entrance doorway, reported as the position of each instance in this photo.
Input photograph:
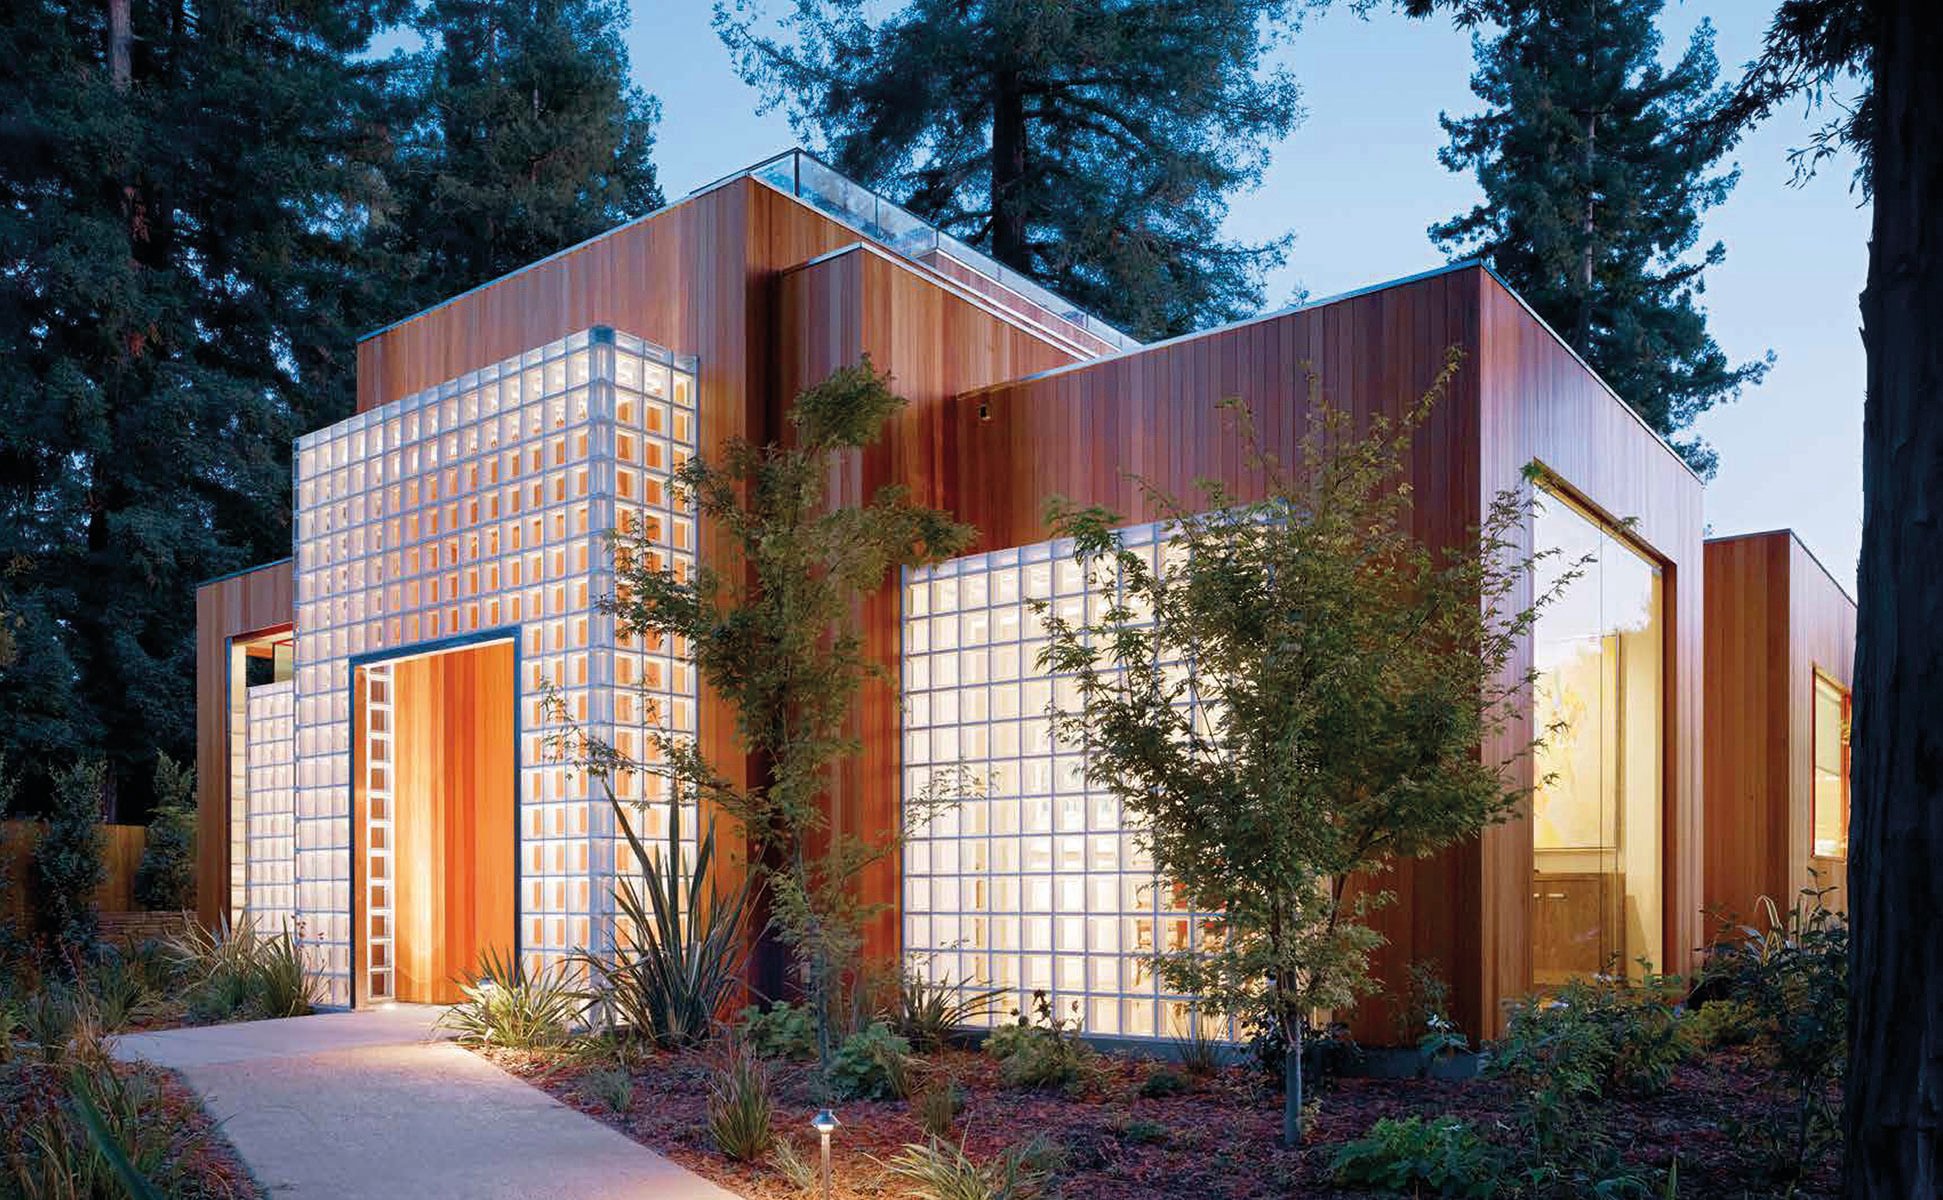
(434, 820)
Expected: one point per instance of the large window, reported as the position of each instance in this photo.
(1596, 806)
(1831, 815)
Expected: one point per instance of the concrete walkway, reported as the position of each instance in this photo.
(375, 1104)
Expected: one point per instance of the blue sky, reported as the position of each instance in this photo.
(1358, 182)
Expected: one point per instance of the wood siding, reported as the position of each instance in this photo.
(936, 344)
(1774, 618)
(259, 600)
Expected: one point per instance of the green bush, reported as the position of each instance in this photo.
(929, 1011)
(941, 1170)
(937, 1105)
(1140, 1132)
(1414, 1157)
(781, 1031)
(1719, 1023)
(1789, 982)
(1043, 1053)
(510, 1008)
(68, 865)
(1565, 1054)
(237, 974)
(740, 1112)
(166, 879)
(1161, 1082)
(611, 1086)
(670, 979)
(871, 1064)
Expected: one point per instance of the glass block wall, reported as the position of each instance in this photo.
(269, 799)
(1034, 881)
(482, 504)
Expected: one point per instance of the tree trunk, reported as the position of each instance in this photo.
(1292, 1083)
(1008, 172)
(121, 42)
(1894, 1098)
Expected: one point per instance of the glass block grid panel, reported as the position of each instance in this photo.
(1034, 881)
(271, 805)
(483, 504)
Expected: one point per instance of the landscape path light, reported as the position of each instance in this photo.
(825, 1123)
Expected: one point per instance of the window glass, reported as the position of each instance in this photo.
(1596, 806)
(1831, 768)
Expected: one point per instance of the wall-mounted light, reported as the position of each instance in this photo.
(825, 1124)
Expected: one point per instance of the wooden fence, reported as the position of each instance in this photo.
(121, 852)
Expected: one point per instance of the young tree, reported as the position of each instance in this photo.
(1593, 193)
(1091, 146)
(68, 864)
(1291, 697)
(529, 138)
(166, 879)
(773, 630)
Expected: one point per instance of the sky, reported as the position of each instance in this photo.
(1358, 182)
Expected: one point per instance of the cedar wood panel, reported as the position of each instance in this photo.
(936, 344)
(255, 601)
(1774, 618)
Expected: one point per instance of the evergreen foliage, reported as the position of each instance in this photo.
(772, 623)
(166, 878)
(1594, 183)
(529, 138)
(68, 864)
(1344, 676)
(199, 213)
(1091, 145)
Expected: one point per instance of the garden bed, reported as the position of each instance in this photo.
(153, 1115)
(1218, 1139)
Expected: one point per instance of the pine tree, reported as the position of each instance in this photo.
(530, 138)
(183, 189)
(1091, 145)
(1594, 185)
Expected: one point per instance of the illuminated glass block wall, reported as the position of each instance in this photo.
(1032, 881)
(482, 504)
(269, 797)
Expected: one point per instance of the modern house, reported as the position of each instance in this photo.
(374, 754)
(1780, 651)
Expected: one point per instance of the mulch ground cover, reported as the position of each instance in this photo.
(199, 1164)
(1218, 1140)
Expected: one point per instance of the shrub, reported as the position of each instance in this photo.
(122, 993)
(937, 1104)
(1161, 1082)
(941, 1170)
(1200, 1050)
(1789, 982)
(1043, 1053)
(67, 861)
(613, 1087)
(1143, 1132)
(166, 878)
(782, 1031)
(670, 978)
(929, 1011)
(740, 1112)
(872, 1064)
(1414, 1157)
(510, 1008)
(1564, 1055)
(237, 973)
(1424, 1003)
(1719, 1023)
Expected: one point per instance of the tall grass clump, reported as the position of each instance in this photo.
(740, 1110)
(512, 1009)
(237, 973)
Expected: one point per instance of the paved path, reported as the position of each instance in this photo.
(372, 1104)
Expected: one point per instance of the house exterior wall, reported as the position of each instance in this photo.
(1774, 618)
(767, 296)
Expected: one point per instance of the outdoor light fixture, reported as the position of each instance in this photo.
(825, 1123)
